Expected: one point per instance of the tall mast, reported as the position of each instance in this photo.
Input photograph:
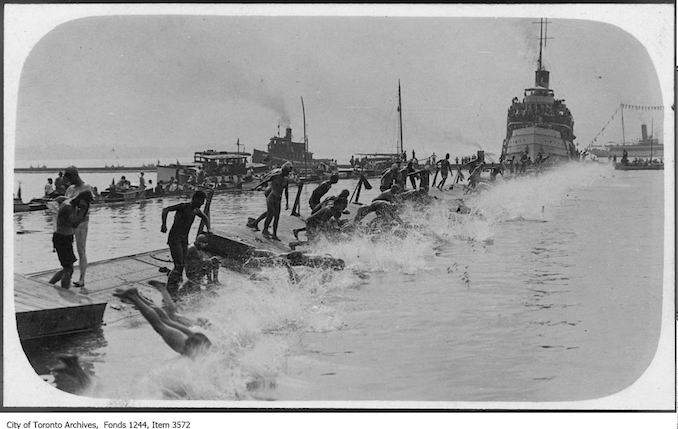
(541, 39)
(541, 76)
(303, 114)
(651, 138)
(400, 122)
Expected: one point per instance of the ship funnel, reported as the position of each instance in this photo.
(643, 131)
(288, 133)
(541, 78)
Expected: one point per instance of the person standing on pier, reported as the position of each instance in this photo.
(445, 168)
(70, 214)
(277, 183)
(178, 235)
(410, 171)
(142, 183)
(389, 178)
(60, 184)
(76, 186)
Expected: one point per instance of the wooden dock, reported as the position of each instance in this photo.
(239, 241)
(103, 278)
(44, 310)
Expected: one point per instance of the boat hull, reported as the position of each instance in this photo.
(620, 166)
(536, 139)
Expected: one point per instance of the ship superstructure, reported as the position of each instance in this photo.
(540, 123)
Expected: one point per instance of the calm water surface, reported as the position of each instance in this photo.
(550, 291)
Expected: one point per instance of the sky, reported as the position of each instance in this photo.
(161, 86)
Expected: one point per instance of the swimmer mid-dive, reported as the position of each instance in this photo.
(176, 335)
(384, 210)
(172, 309)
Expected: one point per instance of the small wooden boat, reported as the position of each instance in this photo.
(20, 206)
(114, 194)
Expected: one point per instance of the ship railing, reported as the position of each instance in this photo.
(523, 124)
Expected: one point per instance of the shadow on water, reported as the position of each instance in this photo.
(42, 352)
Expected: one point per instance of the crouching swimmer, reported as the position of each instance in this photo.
(418, 196)
(319, 222)
(200, 266)
(384, 210)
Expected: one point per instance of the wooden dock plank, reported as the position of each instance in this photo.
(45, 310)
(255, 239)
(38, 295)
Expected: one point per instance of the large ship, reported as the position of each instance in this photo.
(539, 123)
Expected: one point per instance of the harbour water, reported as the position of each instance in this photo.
(550, 290)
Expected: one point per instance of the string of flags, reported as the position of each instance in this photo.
(606, 124)
(624, 106)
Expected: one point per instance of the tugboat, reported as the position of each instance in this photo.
(540, 123)
(282, 149)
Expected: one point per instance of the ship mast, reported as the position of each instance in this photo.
(651, 138)
(541, 77)
(622, 124)
(303, 114)
(400, 121)
(541, 39)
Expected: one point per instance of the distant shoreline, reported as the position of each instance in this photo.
(84, 169)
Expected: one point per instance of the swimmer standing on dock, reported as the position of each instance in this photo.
(445, 168)
(178, 235)
(70, 214)
(75, 186)
(274, 200)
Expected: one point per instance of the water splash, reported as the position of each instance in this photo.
(254, 320)
(525, 196)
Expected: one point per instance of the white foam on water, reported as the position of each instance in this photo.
(524, 196)
(257, 320)
(253, 324)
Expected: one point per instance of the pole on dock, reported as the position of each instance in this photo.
(295, 207)
(357, 194)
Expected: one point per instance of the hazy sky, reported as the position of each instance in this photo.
(165, 86)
